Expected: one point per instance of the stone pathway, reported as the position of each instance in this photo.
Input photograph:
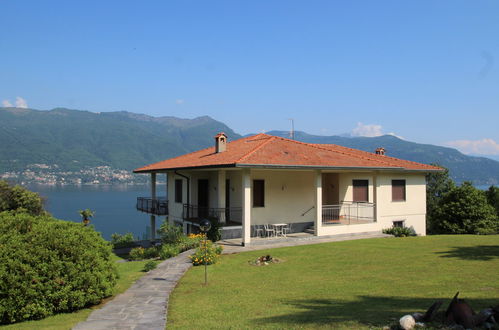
(144, 304)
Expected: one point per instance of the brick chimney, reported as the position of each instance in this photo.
(380, 151)
(220, 142)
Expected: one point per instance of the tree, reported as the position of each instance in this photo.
(493, 197)
(86, 215)
(16, 198)
(437, 185)
(464, 210)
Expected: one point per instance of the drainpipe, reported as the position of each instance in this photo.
(188, 191)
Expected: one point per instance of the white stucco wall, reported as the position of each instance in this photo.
(288, 194)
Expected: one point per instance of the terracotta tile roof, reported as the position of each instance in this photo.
(273, 151)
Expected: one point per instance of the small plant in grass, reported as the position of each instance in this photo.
(399, 231)
(122, 241)
(264, 261)
(150, 265)
(206, 252)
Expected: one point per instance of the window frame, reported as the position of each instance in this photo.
(398, 221)
(355, 184)
(258, 189)
(179, 191)
(398, 186)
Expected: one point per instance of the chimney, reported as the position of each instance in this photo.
(220, 142)
(380, 151)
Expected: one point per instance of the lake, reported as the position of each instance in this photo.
(114, 206)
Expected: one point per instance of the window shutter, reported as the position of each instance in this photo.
(258, 193)
(398, 190)
(178, 191)
(361, 190)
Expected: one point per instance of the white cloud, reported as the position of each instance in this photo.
(478, 147)
(21, 103)
(179, 101)
(369, 130)
(6, 103)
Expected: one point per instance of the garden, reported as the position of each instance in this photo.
(357, 284)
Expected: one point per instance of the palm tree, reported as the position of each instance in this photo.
(86, 215)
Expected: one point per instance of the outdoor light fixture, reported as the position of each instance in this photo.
(204, 226)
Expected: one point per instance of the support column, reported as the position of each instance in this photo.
(221, 195)
(375, 197)
(246, 199)
(170, 196)
(153, 196)
(318, 203)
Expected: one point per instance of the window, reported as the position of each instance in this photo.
(178, 191)
(398, 190)
(399, 223)
(258, 193)
(360, 190)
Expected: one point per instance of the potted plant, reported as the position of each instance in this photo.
(86, 215)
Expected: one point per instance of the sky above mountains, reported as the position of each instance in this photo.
(422, 70)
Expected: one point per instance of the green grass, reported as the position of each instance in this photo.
(351, 284)
(129, 272)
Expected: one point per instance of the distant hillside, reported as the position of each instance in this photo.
(73, 139)
(479, 170)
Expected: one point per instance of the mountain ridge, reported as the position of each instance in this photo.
(73, 139)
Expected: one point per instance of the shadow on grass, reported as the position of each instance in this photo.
(365, 310)
(481, 252)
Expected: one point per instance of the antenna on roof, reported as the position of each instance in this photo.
(292, 132)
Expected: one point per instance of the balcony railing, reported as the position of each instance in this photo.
(224, 215)
(157, 206)
(348, 213)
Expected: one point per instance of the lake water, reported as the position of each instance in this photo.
(114, 206)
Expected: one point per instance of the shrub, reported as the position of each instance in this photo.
(215, 232)
(137, 253)
(168, 251)
(121, 241)
(152, 252)
(18, 198)
(170, 234)
(191, 241)
(400, 231)
(208, 252)
(50, 266)
(150, 265)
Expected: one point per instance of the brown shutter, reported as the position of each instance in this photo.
(178, 191)
(398, 190)
(360, 190)
(258, 193)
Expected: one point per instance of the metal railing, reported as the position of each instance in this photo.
(348, 213)
(158, 206)
(224, 215)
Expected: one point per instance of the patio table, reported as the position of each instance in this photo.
(278, 229)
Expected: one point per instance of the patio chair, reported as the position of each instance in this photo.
(258, 231)
(269, 231)
(287, 230)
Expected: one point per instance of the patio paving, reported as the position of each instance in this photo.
(144, 305)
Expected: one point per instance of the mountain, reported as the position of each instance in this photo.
(73, 139)
(479, 170)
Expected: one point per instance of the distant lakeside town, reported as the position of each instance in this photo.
(52, 175)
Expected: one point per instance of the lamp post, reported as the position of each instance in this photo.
(204, 226)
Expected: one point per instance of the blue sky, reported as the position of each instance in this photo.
(423, 70)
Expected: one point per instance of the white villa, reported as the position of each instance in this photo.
(263, 180)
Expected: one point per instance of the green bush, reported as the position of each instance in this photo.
(215, 232)
(170, 234)
(50, 266)
(152, 252)
(14, 198)
(168, 251)
(137, 253)
(121, 241)
(150, 265)
(206, 252)
(400, 231)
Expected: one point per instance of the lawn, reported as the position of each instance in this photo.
(128, 271)
(351, 284)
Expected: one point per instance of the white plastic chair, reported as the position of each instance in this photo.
(286, 230)
(258, 231)
(269, 232)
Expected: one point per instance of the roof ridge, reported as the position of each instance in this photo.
(318, 146)
(368, 156)
(271, 138)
